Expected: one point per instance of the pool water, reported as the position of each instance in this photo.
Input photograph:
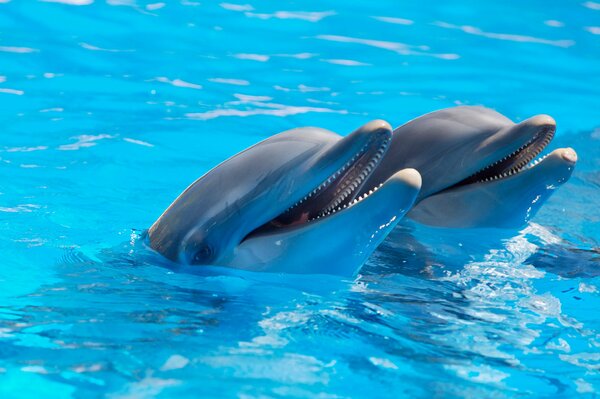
(110, 109)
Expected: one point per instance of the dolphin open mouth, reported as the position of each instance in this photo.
(338, 191)
(515, 162)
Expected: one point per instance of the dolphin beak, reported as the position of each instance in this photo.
(515, 136)
(508, 202)
(569, 155)
(410, 178)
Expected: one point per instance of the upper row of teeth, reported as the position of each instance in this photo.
(331, 178)
(510, 155)
(517, 169)
(356, 182)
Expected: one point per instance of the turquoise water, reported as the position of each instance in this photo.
(110, 109)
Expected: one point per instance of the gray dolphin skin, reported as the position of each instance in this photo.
(479, 169)
(290, 203)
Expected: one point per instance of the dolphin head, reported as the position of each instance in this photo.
(284, 180)
(338, 241)
(463, 152)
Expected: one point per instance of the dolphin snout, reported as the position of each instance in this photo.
(410, 177)
(539, 121)
(376, 125)
(532, 128)
(569, 155)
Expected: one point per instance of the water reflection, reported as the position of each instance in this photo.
(112, 107)
(400, 48)
(506, 36)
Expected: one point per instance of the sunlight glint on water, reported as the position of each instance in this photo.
(110, 109)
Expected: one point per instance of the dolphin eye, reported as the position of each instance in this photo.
(203, 255)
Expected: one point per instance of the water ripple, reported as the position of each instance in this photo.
(84, 141)
(12, 91)
(111, 109)
(394, 20)
(592, 5)
(179, 83)
(71, 2)
(272, 109)
(302, 15)
(235, 82)
(400, 48)
(505, 36)
(18, 50)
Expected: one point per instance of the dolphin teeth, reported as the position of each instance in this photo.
(344, 191)
(522, 158)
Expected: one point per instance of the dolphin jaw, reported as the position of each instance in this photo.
(329, 180)
(517, 161)
(410, 178)
(338, 191)
(546, 173)
(345, 193)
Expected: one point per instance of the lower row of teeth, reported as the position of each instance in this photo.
(331, 178)
(519, 167)
(353, 202)
(540, 159)
(355, 183)
(337, 174)
(515, 170)
(510, 155)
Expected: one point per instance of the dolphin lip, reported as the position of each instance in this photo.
(569, 155)
(340, 189)
(518, 160)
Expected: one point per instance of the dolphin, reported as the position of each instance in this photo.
(478, 168)
(290, 204)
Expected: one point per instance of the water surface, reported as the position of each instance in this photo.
(110, 109)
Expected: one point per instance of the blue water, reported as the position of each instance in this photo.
(110, 109)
